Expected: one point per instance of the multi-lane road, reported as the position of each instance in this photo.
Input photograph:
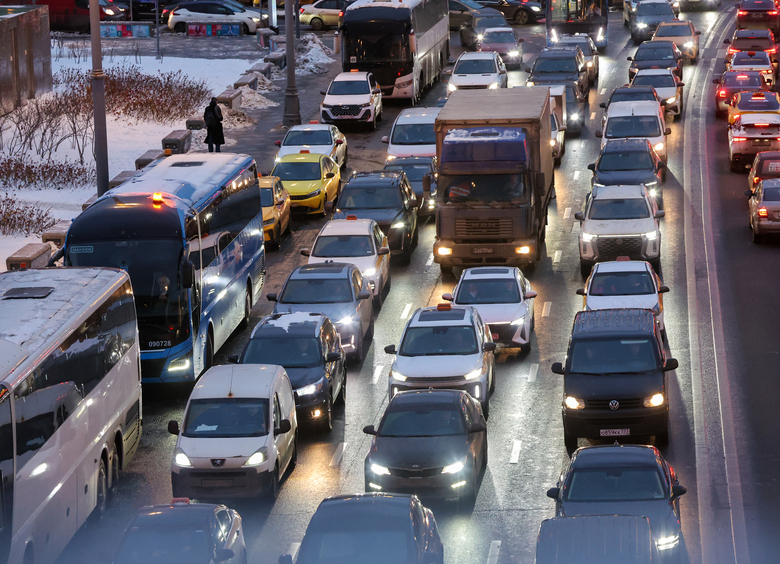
(721, 320)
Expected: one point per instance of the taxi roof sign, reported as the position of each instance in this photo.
(180, 501)
(444, 307)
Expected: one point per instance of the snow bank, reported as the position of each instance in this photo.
(254, 101)
(311, 57)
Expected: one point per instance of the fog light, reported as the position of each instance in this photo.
(444, 251)
(460, 484)
(477, 391)
(317, 413)
(524, 250)
(374, 486)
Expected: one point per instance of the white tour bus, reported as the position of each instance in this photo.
(70, 403)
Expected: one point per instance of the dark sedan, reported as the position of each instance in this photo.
(463, 11)
(520, 13)
(417, 169)
(432, 442)
(630, 161)
(752, 40)
(734, 82)
(470, 32)
(623, 480)
(656, 55)
(758, 14)
(386, 197)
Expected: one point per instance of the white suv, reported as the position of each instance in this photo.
(478, 71)
(352, 96)
(413, 134)
(619, 221)
(636, 119)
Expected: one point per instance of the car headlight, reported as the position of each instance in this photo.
(256, 20)
(665, 543)
(651, 235)
(109, 11)
(659, 147)
(688, 45)
(641, 25)
(179, 364)
(676, 5)
(654, 401)
(181, 459)
(519, 321)
(397, 225)
(451, 87)
(575, 116)
(269, 221)
(444, 251)
(265, 16)
(311, 388)
(369, 272)
(398, 376)
(313, 194)
(453, 468)
(553, 142)
(529, 83)
(671, 100)
(405, 84)
(513, 54)
(589, 63)
(257, 458)
(535, 9)
(479, 37)
(574, 403)
(346, 320)
(380, 470)
(587, 237)
(493, 86)
(473, 374)
(653, 192)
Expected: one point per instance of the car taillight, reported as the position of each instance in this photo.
(739, 138)
(721, 93)
(756, 180)
(341, 13)
(302, 9)
(762, 212)
(733, 50)
(742, 12)
(772, 50)
(773, 13)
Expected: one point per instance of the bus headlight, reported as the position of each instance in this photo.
(180, 364)
(444, 251)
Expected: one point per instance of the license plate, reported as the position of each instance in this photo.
(419, 482)
(757, 16)
(615, 432)
(495, 336)
(216, 483)
(482, 250)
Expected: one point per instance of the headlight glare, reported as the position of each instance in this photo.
(493, 86)
(181, 459)
(473, 374)
(398, 376)
(651, 235)
(659, 147)
(380, 470)
(671, 100)
(451, 87)
(518, 321)
(654, 400)
(453, 468)
(369, 272)
(665, 543)
(397, 225)
(574, 403)
(257, 458)
(587, 237)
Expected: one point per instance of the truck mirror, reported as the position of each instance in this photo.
(187, 274)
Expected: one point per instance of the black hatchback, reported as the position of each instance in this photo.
(630, 161)
(386, 197)
(656, 55)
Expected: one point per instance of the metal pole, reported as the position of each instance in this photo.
(297, 20)
(157, 26)
(292, 106)
(98, 100)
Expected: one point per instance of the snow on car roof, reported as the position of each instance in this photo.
(633, 108)
(237, 380)
(498, 29)
(492, 271)
(757, 118)
(418, 115)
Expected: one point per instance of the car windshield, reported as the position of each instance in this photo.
(370, 197)
(615, 484)
(621, 284)
(759, 58)
(490, 21)
(771, 195)
(267, 197)
(348, 88)
(673, 31)
(439, 340)
(297, 171)
(625, 160)
(330, 246)
(619, 208)
(358, 538)
(613, 356)
(752, 43)
(414, 172)
(633, 126)
(423, 421)
(170, 544)
(307, 137)
(654, 9)
(474, 66)
(499, 37)
(654, 80)
(760, 103)
(628, 96)
(317, 291)
(222, 418)
(290, 352)
(745, 80)
(554, 64)
(654, 53)
(413, 134)
(471, 4)
(495, 291)
(770, 168)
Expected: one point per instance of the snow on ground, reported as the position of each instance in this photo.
(253, 100)
(311, 57)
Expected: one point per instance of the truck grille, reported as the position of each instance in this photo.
(501, 228)
(612, 247)
(345, 110)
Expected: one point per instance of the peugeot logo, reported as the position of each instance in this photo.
(217, 462)
(613, 405)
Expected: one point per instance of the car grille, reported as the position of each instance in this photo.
(437, 379)
(304, 197)
(416, 473)
(345, 110)
(612, 247)
(629, 403)
(483, 228)
(479, 87)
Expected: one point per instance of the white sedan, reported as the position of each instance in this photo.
(751, 134)
(667, 86)
(316, 138)
(504, 299)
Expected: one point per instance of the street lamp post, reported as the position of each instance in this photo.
(98, 100)
(292, 106)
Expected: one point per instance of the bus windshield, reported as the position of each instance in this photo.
(577, 11)
(375, 41)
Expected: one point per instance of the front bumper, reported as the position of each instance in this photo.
(350, 335)
(311, 407)
(356, 113)
(427, 481)
(199, 483)
(603, 248)
(589, 424)
(511, 335)
(487, 253)
(308, 204)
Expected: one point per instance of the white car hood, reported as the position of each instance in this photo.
(412, 150)
(235, 447)
(501, 313)
(354, 100)
(363, 263)
(437, 366)
(474, 79)
(295, 149)
(618, 226)
(648, 301)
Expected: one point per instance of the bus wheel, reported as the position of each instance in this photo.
(101, 494)
(116, 469)
(248, 303)
(208, 357)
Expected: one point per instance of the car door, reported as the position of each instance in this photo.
(383, 261)
(364, 307)
(280, 440)
(227, 534)
(753, 203)
(411, 211)
(328, 12)
(283, 209)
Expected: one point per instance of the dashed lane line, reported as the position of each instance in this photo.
(532, 373)
(338, 455)
(515, 455)
(406, 310)
(546, 309)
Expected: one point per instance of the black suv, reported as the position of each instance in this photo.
(307, 345)
(560, 65)
(614, 379)
(630, 161)
(386, 197)
(656, 55)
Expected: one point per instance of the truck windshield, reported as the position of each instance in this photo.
(221, 418)
(483, 188)
(613, 356)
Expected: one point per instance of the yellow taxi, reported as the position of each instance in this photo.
(275, 201)
(754, 103)
(311, 179)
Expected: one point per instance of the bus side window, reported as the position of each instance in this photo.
(238, 204)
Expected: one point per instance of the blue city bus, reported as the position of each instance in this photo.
(578, 16)
(188, 230)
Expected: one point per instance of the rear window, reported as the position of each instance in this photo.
(752, 43)
(742, 80)
(654, 9)
(655, 80)
(758, 5)
(632, 96)
(771, 195)
(770, 168)
(744, 58)
(758, 104)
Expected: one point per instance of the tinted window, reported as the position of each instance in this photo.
(744, 58)
(490, 21)
(413, 134)
(423, 421)
(343, 246)
(673, 31)
(583, 44)
(633, 126)
(348, 88)
(758, 4)
(625, 160)
(555, 64)
(316, 291)
(311, 137)
(474, 66)
(752, 43)
(226, 417)
(763, 104)
(621, 284)
(735, 79)
(613, 356)
(483, 188)
(619, 208)
(439, 340)
(414, 173)
(654, 53)
(297, 171)
(771, 195)
(497, 291)
(615, 484)
(370, 197)
(654, 9)
(499, 37)
(770, 167)
(628, 96)
(167, 545)
(290, 352)
(357, 539)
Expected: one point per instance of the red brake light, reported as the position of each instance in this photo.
(772, 50)
(341, 13)
(742, 76)
(773, 13)
(751, 53)
(733, 50)
(760, 95)
(762, 212)
(314, 121)
(622, 258)
(305, 151)
(742, 12)
(351, 217)
(721, 93)
(756, 180)
(302, 9)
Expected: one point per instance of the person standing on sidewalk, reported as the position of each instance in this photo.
(212, 116)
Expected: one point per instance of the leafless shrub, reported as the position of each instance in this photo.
(21, 172)
(23, 218)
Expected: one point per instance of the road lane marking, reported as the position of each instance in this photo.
(722, 53)
(429, 262)
(546, 309)
(557, 256)
(293, 550)
(592, 115)
(495, 548)
(378, 372)
(567, 213)
(603, 91)
(576, 174)
(514, 457)
(338, 455)
(533, 371)
(406, 311)
(575, 227)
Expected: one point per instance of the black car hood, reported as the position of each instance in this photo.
(381, 216)
(616, 177)
(300, 377)
(654, 63)
(420, 452)
(613, 386)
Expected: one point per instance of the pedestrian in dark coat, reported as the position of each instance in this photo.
(213, 118)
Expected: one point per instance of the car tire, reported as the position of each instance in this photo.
(736, 166)
(273, 491)
(316, 24)
(569, 440)
(247, 309)
(522, 18)
(373, 122)
(635, 39)
(208, 356)
(327, 421)
(492, 387)
(101, 494)
(485, 409)
(346, 155)
(180, 27)
(755, 237)
(357, 355)
(343, 391)
(246, 29)
(294, 458)
(585, 269)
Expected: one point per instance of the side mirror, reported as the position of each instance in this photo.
(305, 252)
(272, 297)
(330, 174)
(369, 430)
(323, 93)
(390, 349)
(223, 554)
(285, 559)
(579, 217)
(749, 193)
(478, 427)
(329, 206)
(668, 131)
(659, 214)
(187, 274)
(553, 493)
(339, 141)
(414, 203)
(697, 33)
(233, 358)
(530, 294)
(278, 143)
(629, 58)
(427, 183)
(332, 357)
(661, 165)
(678, 491)
(284, 427)
(603, 105)
(727, 41)
(489, 347)
(680, 84)
(383, 251)
(173, 427)
(716, 81)
(671, 364)
(385, 139)
(279, 201)
(663, 289)
(557, 368)
(376, 91)
(599, 134)
(447, 296)
(521, 40)
(592, 166)
(527, 69)
(363, 295)
(581, 292)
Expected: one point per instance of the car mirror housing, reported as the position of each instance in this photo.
(233, 358)
(329, 207)
(678, 491)
(333, 357)
(284, 427)
(668, 131)
(173, 427)
(339, 141)
(599, 134)
(659, 214)
(383, 251)
(579, 217)
(557, 368)
(272, 297)
(663, 289)
(390, 349)
(385, 139)
(330, 174)
(603, 105)
(580, 291)
(223, 554)
(447, 296)
(369, 430)
(592, 166)
(530, 294)
(553, 493)
(489, 347)
(305, 252)
(323, 93)
(478, 427)
(363, 295)
(671, 364)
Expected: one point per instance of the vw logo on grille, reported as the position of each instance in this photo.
(217, 462)
(613, 405)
